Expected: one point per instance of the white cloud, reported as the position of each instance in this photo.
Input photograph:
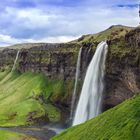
(56, 24)
(31, 18)
(71, 21)
(58, 39)
(6, 40)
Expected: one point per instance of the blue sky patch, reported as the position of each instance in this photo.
(61, 20)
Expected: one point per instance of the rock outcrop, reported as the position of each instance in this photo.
(133, 38)
(122, 76)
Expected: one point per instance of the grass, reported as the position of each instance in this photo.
(114, 32)
(23, 97)
(120, 123)
(3, 74)
(51, 111)
(8, 135)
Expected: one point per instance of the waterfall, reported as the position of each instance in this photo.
(75, 85)
(89, 104)
(14, 66)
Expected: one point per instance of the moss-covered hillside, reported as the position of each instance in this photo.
(24, 99)
(119, 123)
(112, 33)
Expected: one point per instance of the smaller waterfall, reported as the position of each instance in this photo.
(89, 104)
(76, 82)
(14, 66)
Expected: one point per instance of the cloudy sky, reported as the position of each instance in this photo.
(61, 20)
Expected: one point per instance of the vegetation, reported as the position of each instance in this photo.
(24, 98)
(120, 123)
(28, 98)
(114, 32)
(8, 135)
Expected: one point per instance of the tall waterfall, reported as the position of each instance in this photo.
(75, 85)
(89, 104)
(14, 66)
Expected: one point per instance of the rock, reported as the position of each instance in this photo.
(133, 38)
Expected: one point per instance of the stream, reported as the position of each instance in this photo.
(39, 132)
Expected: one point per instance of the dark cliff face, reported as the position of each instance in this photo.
(7, 57)
(58, 61)
(123, 70)
(55, 61)
(51, 59)
(133, 38)
(122, 76)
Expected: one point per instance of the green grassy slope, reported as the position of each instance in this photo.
(8, 135)
(119, 123)
(24, 98)
(114, 32)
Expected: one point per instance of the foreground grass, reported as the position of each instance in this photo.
(119, 123)
(8, 135)
(23, 99)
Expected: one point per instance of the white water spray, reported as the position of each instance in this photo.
(76, 82)
(89, 104)
(14, 66)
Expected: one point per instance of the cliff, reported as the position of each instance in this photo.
(49, 71)
(122, 69)
(57, 62)
(122, 79)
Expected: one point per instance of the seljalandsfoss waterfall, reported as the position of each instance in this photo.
(76, 82)
(89, 104)
(14, 65)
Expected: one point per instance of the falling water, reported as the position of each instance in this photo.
(89, 104)
(76, 81)
(14, 66)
